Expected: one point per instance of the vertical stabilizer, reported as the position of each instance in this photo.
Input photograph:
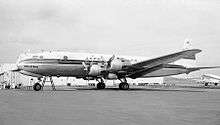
(187, 44)
(190, 60)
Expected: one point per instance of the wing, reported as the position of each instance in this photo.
(187, 54)
(165, 70)
(141, 68)
(158, 71)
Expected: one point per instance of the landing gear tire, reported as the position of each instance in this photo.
(7, 86)
(215, 84)
(206, 84)
(100, 85)
(37, 86)
(124, 86)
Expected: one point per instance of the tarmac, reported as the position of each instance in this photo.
(89, 106)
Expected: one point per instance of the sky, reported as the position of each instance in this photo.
(148, 28)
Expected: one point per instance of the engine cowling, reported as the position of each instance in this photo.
(112, 76)
(95, 70)
(116, 65)
(88, 78)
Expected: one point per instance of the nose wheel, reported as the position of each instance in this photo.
(37, 86)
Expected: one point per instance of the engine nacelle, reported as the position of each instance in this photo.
(112, 76)
(116, 65)
(88, 78)
(95, 70)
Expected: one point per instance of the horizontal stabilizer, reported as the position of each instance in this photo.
(205, 67)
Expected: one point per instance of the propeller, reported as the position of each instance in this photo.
(109, 61)
(86, 66)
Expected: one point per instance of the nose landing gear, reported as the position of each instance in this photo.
(37, 86)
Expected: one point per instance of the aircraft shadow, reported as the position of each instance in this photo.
(140, 89)
(131, 89)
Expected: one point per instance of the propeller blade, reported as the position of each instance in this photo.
(110, 60)
(85, 66)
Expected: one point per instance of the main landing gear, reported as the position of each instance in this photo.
(101, 84)
(37, 86)
(124, 84)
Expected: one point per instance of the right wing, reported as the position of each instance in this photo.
(141, 68)
(187, 54)
(166, 70)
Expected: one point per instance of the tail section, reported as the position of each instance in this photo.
(189, 60)
(187, 44)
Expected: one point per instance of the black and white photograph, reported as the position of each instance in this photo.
(109, 62)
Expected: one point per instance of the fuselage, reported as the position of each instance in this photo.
(61, 63)
(71, 64)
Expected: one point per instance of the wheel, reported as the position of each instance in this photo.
(37, 86)
(124, 86)
(7, 86)
(215, 84)
(100, 85)
(206, 84)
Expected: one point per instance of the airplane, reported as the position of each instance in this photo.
(207, 79)
(99, 67)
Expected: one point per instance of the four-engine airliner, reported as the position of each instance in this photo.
(99, 66)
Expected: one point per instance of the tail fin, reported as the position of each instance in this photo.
(187, 44)
(189, 60)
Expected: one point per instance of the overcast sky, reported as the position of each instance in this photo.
(125, 27)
